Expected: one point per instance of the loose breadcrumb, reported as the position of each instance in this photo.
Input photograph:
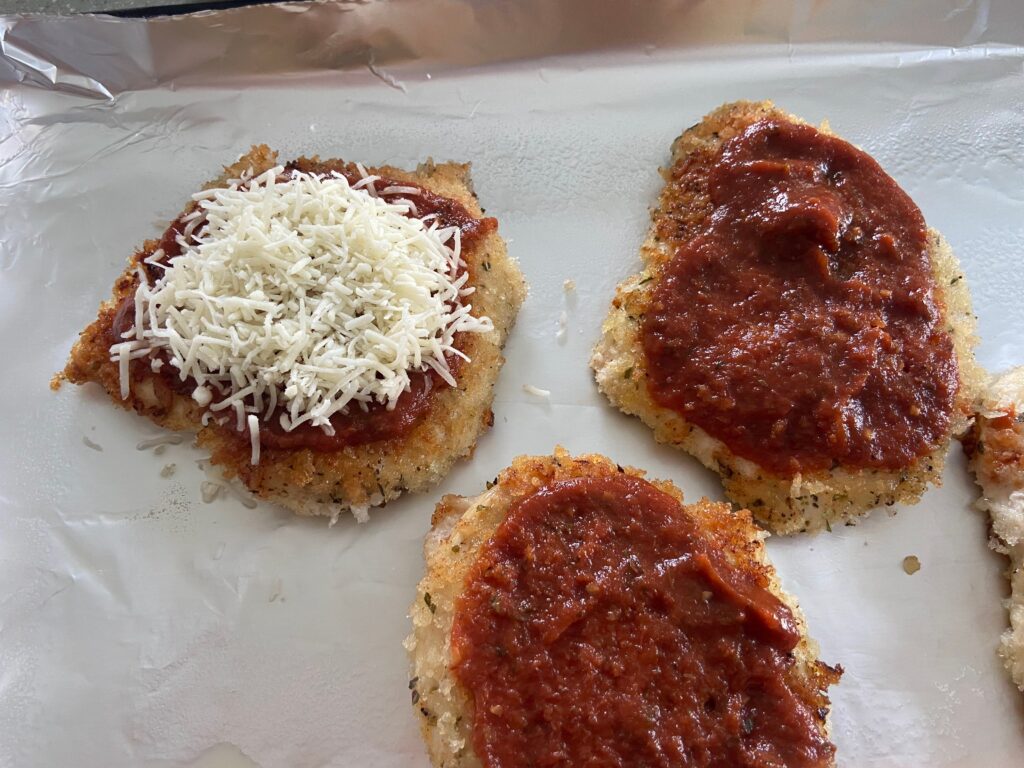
(159, 441)
(210, 491)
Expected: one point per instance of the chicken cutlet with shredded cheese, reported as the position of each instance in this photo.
(796, 326)
(576, 613)
(331, 332)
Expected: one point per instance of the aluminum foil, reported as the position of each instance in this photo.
(142, 626)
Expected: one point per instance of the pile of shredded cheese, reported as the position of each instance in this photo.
(303, 292)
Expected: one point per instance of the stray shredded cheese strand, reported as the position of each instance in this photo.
(302, 292)
(254, 438)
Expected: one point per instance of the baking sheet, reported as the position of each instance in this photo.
(140, 626)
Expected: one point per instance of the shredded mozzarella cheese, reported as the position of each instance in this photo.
(305, 292)
(254, 438)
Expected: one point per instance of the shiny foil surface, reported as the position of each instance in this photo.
(141, 625)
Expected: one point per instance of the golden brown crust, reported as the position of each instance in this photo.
(808, 502)
(461, 526)
(325, 483)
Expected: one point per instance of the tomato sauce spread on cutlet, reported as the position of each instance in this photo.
(600, 627)
(357, 425)
(798, 323)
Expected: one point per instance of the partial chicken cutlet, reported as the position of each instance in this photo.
(575, 613)
(995, 450)
(796, 326)
(332, 333)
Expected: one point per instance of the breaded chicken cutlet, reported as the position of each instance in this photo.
(995, 449)
(332, 333)
(575, 613)
(796, 326)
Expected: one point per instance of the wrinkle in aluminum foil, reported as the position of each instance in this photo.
(104, 56)
(141, 626)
